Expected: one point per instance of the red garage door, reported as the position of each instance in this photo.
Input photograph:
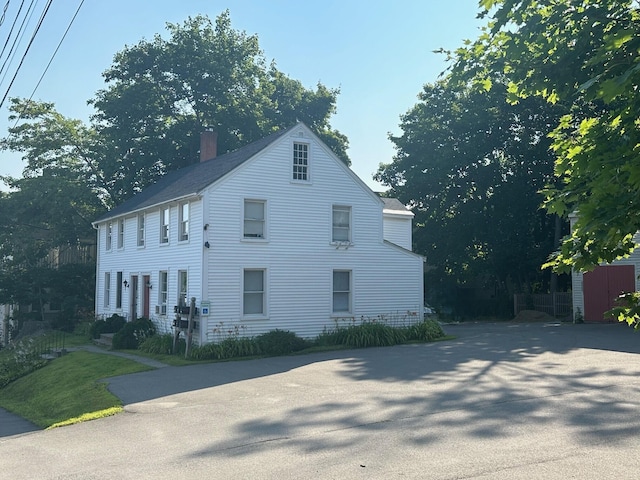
(602, 286)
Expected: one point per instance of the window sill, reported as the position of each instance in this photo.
(255, 317)
(254, 240)
(344, 245)
(301, 182)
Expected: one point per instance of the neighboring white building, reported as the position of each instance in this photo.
(277, 234)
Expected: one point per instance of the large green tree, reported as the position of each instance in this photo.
(585, 54)
(471, 166)
(161, 93)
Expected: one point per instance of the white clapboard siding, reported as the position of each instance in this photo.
(398, 229)
(154, 257)
(297, 254)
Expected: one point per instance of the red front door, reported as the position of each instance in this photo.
(602, 286)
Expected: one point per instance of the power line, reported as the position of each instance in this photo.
(51, 59)
(13, 25)
(44, 14)
(18, 37)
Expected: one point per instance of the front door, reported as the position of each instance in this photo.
(146, 281)
(134, 297)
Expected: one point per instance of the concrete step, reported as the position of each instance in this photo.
(105, 339)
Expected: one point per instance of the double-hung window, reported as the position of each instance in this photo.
(141, 230)
(341, 224)
(183, 234)
(107, 289)
(109, 235)
(119, 290)
(341, 291)
(254, 219)
(121, 233)
(164, 225)
(301, 162)
(182, 288)
(164, 290)
(253, 300)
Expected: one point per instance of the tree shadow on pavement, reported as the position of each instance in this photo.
(495, 381)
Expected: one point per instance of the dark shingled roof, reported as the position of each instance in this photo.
(192, 179)
(394, 204)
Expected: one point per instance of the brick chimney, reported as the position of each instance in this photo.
(208, 145)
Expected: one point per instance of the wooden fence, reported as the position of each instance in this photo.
(554, 304)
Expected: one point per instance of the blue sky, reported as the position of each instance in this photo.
(379, 54)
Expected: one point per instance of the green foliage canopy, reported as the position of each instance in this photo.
(162, 93)
(578, 53)
(471, 166)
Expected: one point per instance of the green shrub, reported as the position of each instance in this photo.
(113, 324)
(162, 345)
(228, 348)
(371, 334)
(133, 334)
(426, 331)
(20, 360)
(97, 328)
(280, 342)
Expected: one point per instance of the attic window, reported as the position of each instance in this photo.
(301, 162)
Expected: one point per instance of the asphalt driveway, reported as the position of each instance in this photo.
(502, 401)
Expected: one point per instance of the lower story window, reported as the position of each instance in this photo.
(341, 291)
(164, 290)
(253, 296)
(182, 287)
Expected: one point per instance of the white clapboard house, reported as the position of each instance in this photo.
(277, 234)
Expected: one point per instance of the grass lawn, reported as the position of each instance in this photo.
(68, 389)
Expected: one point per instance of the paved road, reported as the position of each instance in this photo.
(502, 401)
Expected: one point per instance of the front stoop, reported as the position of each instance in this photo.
(106, 339)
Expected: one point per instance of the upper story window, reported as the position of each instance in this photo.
(164, 225)
(301, 161)
(109, 235)
(141, 230)
(341, 224)
(184, 222)
(121, 233)
(254, 219)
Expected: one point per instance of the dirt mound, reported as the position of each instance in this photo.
(528, 316)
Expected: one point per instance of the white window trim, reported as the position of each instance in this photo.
(121, 223)
(164, 292)
(181, 222)
(141, 233)
(349, 312)
(265, 222)
(107, 290)
(349, 241)
(108, 245)
(187, 300)
(165, 240)
(265, 295)
(301, 141)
